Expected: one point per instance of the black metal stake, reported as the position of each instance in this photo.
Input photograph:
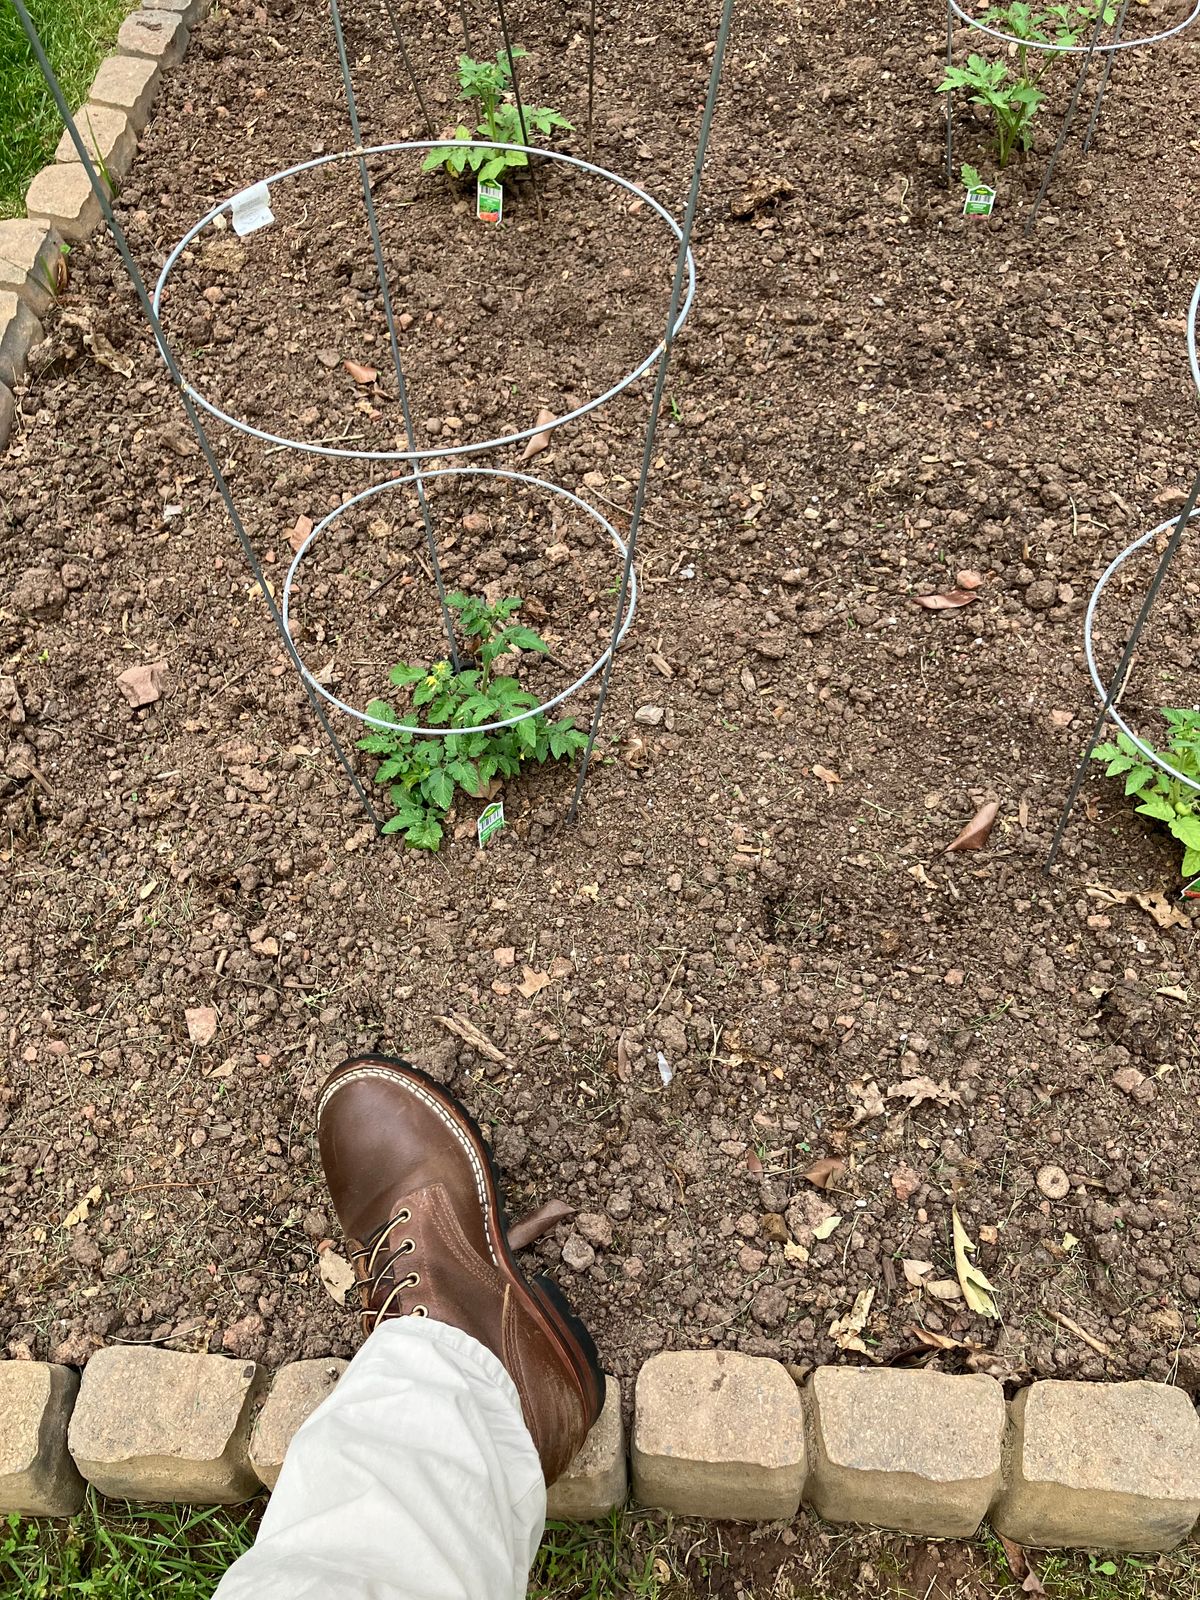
(949, 101)
(660, 383)
(1109, 59)
(393, 337)
(410, 69)
(516, 83)
(101, 192)
(1069, 118)
(1118, 677)
(591, 103)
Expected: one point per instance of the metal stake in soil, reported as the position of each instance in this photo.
(591, 103)
(1108, 66)
(516, 83)
(1080, 77)
(660, 383)
(949, 99)
(393, 337)
(409, 68)
(1117, 682)
(100, 190)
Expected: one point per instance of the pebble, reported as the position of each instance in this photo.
(769, 1306)
(595, 1228)
(648, 716)
(578, 1253)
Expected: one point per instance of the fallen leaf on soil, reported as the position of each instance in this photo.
(906, 1182)
(108, 357)
(529, 1228)
(821, 1171)
(975, 1286)
(79, 1213)
(939, 1341)
(201, 1024)
(533, 982)
(966, 579)
(975, 835)
(950, 601)
(916, 1272)
(943, 1289)
(1172, 991)
(360, 374)
(870, 1101)
(540, 441)
(753, 1163)
(1018, 1565)
(845, 1331)
(827, 777)
(637, 752)
(336, 1274)
(1154, 901)
(463, 1028)
(661, 664)
(824, 1229)
(142, 685)
(917, 1090)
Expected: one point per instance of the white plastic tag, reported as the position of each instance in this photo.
(252, 209)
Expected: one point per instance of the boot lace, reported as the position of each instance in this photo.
(377, 1279)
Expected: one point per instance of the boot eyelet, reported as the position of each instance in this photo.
(419, 1311)
(406, 1248)
(403, 1215)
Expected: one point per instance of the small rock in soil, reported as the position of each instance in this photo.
(1053, 1182)
(578, 1253)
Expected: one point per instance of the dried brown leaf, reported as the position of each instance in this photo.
(528, 1229)
(920, 1089)
(753, 1163)
(336, 1274)
(845, 1331)
(967, 579)
(540, 441)
(916, 1272)
(106, 356)
(298, 532)
(949, 601)
(975, 835)
(360, 374)
(624, 1060)
(827, 777)
(942, 1289)
(823, 1170)
(1164, 912)
(533, 982)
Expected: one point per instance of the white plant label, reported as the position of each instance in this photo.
(252, 210)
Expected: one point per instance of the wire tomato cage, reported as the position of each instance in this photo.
(1107, 49)
(249, 209)
(1110, 693)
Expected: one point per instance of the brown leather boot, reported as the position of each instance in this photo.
(416, 1191)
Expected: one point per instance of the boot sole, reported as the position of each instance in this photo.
(542, 1297)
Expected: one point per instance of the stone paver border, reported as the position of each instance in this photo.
(715, 1434)
(59, 204)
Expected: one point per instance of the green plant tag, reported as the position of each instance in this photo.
(979, 201)
(489, 201)
(491, 820)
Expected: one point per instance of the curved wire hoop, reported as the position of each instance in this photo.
(1075, 49)
(1089, 651)
(430, 477)
(458, 448)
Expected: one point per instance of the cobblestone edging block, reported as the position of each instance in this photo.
(296, 1393)
(160, 1425)
(597, 1481)
(37, 1476)
(59, 202)
(1111, 1465)
(718, 1434)
(917, 1451)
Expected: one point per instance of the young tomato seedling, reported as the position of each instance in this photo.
(1013, 95)
(424, 771)
(488, 84)
(1158, 794)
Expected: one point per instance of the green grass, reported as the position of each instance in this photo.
(76, 34)
(116, 1552)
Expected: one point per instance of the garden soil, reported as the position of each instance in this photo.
(872, 396)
